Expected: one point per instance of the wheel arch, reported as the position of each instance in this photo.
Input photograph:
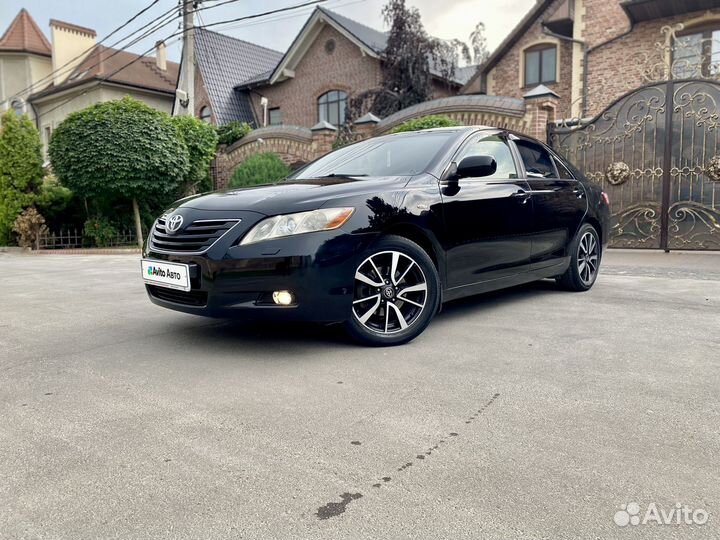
(416, 234)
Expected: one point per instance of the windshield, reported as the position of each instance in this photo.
(402, 155)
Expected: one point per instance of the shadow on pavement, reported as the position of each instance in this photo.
(282, 334)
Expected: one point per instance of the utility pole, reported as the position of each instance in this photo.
(187, 101)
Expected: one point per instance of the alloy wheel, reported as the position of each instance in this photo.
(587, 257)
(390, 292)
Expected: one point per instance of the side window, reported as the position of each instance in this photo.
(491, 145)
(563, 171)
(537, 160)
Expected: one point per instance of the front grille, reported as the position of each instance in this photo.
(197, 237)
(187, 298)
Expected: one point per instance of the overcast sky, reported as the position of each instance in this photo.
(442, 18)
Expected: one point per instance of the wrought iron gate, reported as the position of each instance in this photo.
(656, 153)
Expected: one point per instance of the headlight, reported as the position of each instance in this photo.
(324, 219)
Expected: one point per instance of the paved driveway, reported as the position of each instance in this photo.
(529, 413)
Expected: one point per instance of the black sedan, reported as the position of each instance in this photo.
(378, 234)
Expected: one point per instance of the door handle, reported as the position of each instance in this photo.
(579, 193)
(521, 193)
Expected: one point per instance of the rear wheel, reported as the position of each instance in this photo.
(585, 254)
(396, 293)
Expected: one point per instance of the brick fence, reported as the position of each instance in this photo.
(297, 145)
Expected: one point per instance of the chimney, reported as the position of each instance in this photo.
(161, 55)
(69, 41)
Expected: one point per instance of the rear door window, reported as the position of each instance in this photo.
(538, 162)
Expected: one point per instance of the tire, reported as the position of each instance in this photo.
(585, 255)
(393, 310)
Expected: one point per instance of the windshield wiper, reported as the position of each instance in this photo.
(343, 175)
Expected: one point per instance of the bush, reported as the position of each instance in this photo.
(201, 140)
(53, 199)
(100, 231)
(29, 226)
(425, 122)
(21, 169)
(233, 131)
(259, 169)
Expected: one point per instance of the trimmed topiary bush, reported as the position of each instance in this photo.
(259, 169)
(120, 150)
(425, 122)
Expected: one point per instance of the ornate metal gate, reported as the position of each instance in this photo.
(656, 153)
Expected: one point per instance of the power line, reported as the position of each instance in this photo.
(166, 21)
(287, 17)
(237, 19)
(83, 53)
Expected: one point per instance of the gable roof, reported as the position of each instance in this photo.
(515, 34)
(373, 39)
(373, 42)
(102, 63)
(225, 61)
(24, 35)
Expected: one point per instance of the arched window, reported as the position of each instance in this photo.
(331, 107)
(540, 64)
(205, 114)
(18, 105)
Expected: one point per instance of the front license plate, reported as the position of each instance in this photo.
(165, 274)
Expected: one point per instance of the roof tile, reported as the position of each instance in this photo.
(24, 35)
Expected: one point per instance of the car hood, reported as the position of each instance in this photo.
(292, 195)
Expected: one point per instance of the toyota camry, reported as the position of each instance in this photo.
(378, 234)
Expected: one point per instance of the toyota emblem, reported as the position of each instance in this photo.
(174, 223)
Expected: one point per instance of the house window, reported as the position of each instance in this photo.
(18, 105)
(47, 135)
(275, 116)
(206, 114)
(540, 65)
(331, 107)
(697, 53)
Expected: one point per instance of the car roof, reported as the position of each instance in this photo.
(449, 128)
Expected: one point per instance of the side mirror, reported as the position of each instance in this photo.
(476, 166)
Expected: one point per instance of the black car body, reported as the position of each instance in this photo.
(480, 231)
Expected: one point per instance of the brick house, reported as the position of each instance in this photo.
(331, 59)
(629, 91)
(49, 79)
(590, 52)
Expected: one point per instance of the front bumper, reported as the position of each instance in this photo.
(237, 281)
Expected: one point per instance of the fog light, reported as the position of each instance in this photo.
(282, 298)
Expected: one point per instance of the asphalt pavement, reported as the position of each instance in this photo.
(527, 413)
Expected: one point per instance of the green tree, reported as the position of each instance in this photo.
(201, 140)
(408, 62)
(425, 122)
(120, 149)
(259, 169)
(233, 131)
(478, 42)
(21, 169)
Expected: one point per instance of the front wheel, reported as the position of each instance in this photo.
(585, 254)
(396, 293)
